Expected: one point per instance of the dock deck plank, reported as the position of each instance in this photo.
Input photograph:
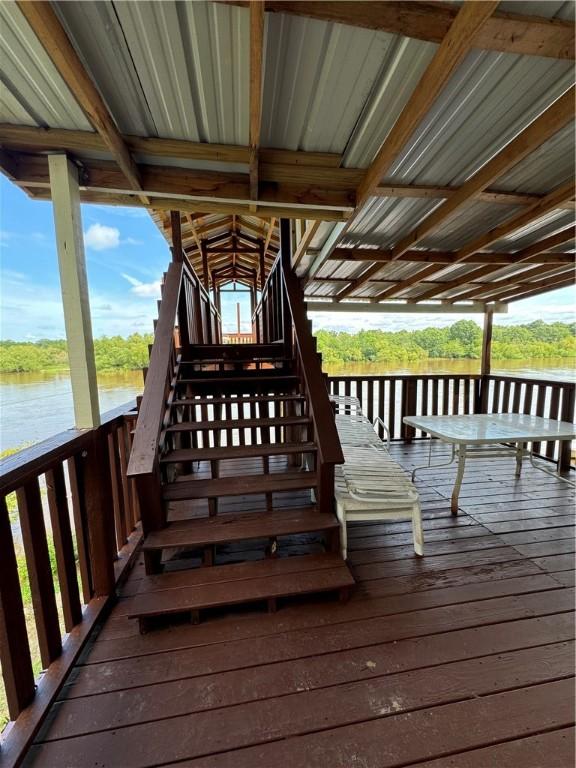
(460, 659)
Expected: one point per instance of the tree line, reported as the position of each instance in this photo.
(461, 340)
(111, 353)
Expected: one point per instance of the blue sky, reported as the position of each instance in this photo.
(126, 256)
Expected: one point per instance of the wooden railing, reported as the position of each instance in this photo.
(280, 317)
(186, 316)
(68, 504)
(393, 397)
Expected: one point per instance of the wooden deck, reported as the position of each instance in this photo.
(461, 659)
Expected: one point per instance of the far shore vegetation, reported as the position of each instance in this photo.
(460, 341)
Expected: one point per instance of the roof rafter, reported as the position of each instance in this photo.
(442, 193)
(522, 256)
(545, 205)
(447, 257)
(256, 59)
(506, 32)
(32, 139)
(455, 45)
(558, 115)
(52, 35)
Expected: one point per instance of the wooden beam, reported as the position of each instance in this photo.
(256, 59)
(190, 183)
(176, 235)
(455, 45)
(74, 286)
(442, 193)
(505, 32)
(167, 203)
(52, 35)
(558, 115)
(397, 307)
(32, 139)
(564, 280)
(545, 205)
(522, 256)
(304, 242)
(447, 257)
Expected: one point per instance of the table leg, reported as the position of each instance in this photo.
(519, 455)
(433, 466)
(459, 476)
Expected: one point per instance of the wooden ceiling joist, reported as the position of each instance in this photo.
(556, 117)
(447, 257)
(167, 180)
(563, 280)
(256, 59)
(490, 196)
(304, 242)
(524, 256)
(505, 32)
(26, 138)
(545, 205)
(455, 45)
(52, 35)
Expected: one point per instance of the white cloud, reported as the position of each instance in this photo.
(144, 290)
(99, 237)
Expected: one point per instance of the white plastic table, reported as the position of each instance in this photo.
(485, 435)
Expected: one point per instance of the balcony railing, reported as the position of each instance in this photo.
(393, 397)
(68, 505)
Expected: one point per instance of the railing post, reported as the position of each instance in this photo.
(567, 414)
(485, 361)
(286, 264)
(408, 407)
(99, 513)
(14, 647)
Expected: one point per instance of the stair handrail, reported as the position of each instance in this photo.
(144, 453)
(328, 442)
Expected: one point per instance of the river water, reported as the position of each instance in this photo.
(34, 406)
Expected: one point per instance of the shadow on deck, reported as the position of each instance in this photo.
(461, 659)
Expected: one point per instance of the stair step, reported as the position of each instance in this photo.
(236, 452)
(221, 381)
(238, 486)
(237, 400)
(231, 375)
(236, 352)
(278, 421)
(268, 579)
(226, 528)
(267, 359)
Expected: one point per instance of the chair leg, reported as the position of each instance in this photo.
(341, 515)
(417, 532)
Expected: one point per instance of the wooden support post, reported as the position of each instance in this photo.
(74, 286)
(205, 273)
(485, 361)
(567, 414)
(176, 230)
(261, 265)
(286, 259)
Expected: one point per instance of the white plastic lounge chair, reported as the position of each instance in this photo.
(370, 485)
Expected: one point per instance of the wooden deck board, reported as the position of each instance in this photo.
(456, 660)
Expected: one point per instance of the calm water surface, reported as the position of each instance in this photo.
(35, 406)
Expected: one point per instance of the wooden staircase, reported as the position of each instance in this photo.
(238, 503)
